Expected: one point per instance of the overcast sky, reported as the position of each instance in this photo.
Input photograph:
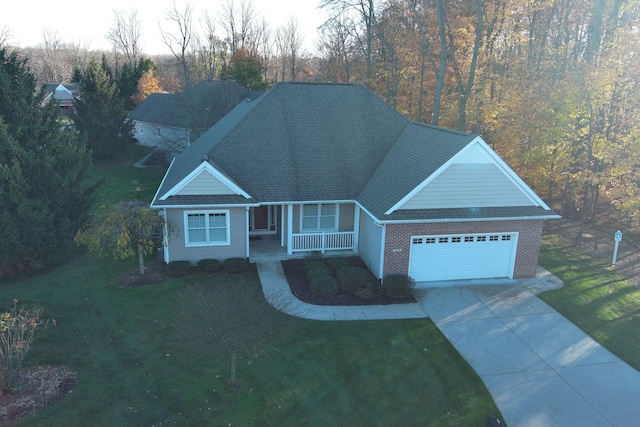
(90, 20)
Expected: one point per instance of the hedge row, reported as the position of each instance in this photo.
(230, 265)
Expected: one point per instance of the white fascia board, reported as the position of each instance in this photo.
(213, 171)
(308, 202)
(205, 207)
(427, 181)
(509, 173)
(497, 218)
(162, 182)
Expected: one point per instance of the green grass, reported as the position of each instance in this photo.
(120, 175)
(135, 368)
(595, 298)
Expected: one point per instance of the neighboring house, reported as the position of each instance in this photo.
(63, 93)
(323, 167)
(172, 122)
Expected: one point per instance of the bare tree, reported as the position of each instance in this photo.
(55, 67)
(180, 43)
(210, 49)
(230, 315)
(294, 40)
(6, 35)
(125, 33)
(238, 23)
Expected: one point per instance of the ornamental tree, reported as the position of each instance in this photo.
(124, 230)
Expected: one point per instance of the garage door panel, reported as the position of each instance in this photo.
(456, 257)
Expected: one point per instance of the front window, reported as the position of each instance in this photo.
(319, 217)
(207, 228)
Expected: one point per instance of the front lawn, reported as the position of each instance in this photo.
(135, 369)
(594, 297)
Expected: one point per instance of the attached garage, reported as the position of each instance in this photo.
(462, 256)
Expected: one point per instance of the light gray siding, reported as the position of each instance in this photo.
(465, 185)
(205, 183)
(155, 136)
(178, 251)
(370, 243)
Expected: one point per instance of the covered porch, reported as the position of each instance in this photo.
(295, 230)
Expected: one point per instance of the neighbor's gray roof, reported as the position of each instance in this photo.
(302, 142)
(198, 108)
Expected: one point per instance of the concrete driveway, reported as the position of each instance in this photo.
(540, 368)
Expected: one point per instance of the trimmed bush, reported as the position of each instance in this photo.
(315, 269)
(397, 285)
(336, 263)
(324, 286)
(209, 265)
(352, 278)
(235, 265)
(178, 268)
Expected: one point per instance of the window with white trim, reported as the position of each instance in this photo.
(206, 228)
(322, 216)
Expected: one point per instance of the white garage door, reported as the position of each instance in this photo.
(462, 256)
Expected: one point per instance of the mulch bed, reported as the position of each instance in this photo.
(297, 278)
(38, 387)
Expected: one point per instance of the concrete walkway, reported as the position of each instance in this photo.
(541, 369)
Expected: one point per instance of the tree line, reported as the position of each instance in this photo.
(552, 85)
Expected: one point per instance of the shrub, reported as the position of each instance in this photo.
(235, 265)
(18, 328)
(178, 268)
(397, 285)
(209, 265)
(336, 263)
(324, 286)
(315, 269)
(352, 278)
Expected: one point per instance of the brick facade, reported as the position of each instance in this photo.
(398, 241)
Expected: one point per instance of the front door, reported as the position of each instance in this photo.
(262, 219)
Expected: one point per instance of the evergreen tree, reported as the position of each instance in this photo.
(246, 69)
(41, 170)
(100, 115)
(129, 78)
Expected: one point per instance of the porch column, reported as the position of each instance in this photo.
(356, 227)
(289, 228)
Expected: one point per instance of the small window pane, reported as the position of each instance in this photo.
(218, 235)
(327, 222)
(328, 210)
(197, 235)
(310, 210)
(196, 220)
(217, 220)
(309, 223)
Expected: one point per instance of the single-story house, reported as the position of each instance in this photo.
(172, 121)
(331, 167)
(63, 93)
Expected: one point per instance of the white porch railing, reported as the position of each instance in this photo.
(322, 241)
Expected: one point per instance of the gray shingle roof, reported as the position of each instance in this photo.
(198, 108)
(302, 142)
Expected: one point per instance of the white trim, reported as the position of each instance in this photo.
(336, 221)
(514, 238)
(162, 183)
(205, 166)
(383, 240)
(289, 229)
(246, 235)
(206, 213)
(504, 168)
